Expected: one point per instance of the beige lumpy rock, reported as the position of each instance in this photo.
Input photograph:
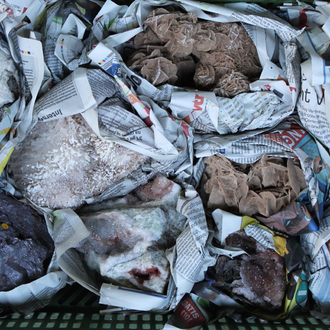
(262, 188)
(62, 162)
(221, 56)
(129, 236)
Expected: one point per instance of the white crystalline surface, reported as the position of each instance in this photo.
(7, 69)
(149, 272)
(62, 162)
(121, 235)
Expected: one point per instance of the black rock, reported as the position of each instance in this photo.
(25, 244)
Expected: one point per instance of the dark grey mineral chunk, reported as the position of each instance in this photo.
(25, 244)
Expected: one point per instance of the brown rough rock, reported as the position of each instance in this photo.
(263, 188)
(259, 276)
(225, 58)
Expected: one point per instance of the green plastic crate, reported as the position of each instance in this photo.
(76, 308)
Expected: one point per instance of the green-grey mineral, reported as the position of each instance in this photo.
(131, 234)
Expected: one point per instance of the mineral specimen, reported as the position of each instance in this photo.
(262, 188)
(24, 242)
(177, 48)
(129, 236)
(149, 272)
(62, 162)
(259, 276)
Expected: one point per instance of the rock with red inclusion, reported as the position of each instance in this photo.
(149, 272)
(258, 277)
(124, 232)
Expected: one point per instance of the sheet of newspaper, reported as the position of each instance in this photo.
(31, 60)
(242, 148)
(312, 105)
(69, 47)
(194, 312)
(314, 99)
(318, 263)
(29, 297)
(116, 18)
(51, 24)
(192, 315)
(313, 43)
(228, 223)
(272, 101)
(189, 258)
(8, 113)
(68, 231)
(17, 10)
(84, 90)
(153, 133)
(28, 56)
(33, 66)
(11, 118)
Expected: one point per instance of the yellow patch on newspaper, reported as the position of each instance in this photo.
(5, 160)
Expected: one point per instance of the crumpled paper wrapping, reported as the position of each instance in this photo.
(262, 188)
(177, 47)
(8, 80)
